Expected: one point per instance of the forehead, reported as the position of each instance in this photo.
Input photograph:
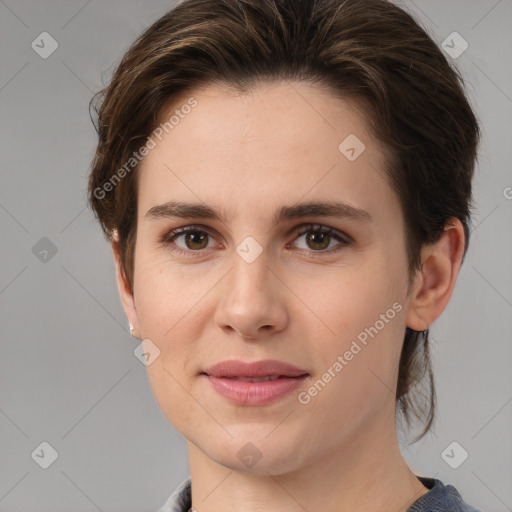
(282, 139)
(286, 113)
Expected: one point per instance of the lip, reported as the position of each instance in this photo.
(222, 378)
(262, 368)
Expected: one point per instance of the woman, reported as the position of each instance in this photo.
(287, 188)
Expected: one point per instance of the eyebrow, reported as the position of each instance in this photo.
(311, 209)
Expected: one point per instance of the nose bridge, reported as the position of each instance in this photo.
(250, 272)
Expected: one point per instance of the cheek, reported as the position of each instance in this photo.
(167, 296)
(356, 378)
(171, 307)
(352, 300)
(367, 317)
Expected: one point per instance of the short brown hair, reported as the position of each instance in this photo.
(370, 51)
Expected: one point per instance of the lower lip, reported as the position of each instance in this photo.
(255, 393)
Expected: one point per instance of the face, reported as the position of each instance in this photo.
(255, 285)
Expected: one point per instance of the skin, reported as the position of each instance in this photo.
(250, 154)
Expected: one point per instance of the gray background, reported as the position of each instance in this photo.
(67, 369)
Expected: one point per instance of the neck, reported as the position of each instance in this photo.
(365, 473)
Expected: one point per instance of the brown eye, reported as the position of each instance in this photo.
(191, 240)
(318, 238)
(195, 240)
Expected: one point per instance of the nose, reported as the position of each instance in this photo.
(253, 299)
(242, 335)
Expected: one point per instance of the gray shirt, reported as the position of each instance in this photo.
(439, 498)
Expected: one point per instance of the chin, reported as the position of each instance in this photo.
(259, 456)
(265, 466)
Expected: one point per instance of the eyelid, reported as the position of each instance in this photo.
(344, 239)
(322, 228)
(169, 236)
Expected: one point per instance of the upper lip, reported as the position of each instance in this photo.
(263, 368)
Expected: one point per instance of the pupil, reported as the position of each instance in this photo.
(321, 236)
(192, 236)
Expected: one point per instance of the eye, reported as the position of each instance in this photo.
(194, 240)
(320, 238)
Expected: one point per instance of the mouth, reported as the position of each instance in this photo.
(255, 391)
(266, 378)
(254, 383)
(268, 369)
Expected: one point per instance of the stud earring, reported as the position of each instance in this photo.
(131, 332)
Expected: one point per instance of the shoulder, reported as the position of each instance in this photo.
(440, 498)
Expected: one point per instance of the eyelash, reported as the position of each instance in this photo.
(171, 236)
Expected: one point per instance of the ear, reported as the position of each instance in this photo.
(127, 298)
(435, 281)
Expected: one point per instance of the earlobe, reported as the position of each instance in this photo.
(435, 281)
(125, 293)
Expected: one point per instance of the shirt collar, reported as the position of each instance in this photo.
(181, 498)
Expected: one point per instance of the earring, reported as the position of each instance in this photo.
(131, 332)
